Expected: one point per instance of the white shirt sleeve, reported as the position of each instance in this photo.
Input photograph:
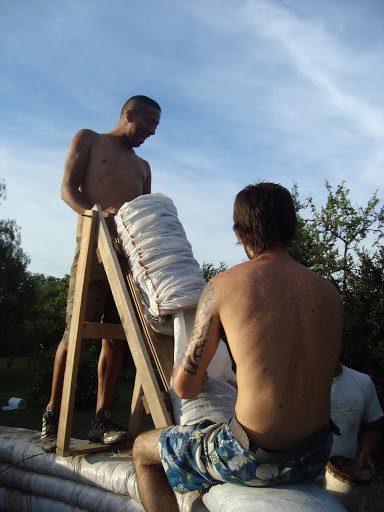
(372, 410)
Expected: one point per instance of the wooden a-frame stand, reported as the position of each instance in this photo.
(143, 342)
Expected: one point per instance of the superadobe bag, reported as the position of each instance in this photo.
(159, 254)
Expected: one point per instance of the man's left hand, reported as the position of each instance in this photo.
(365, 459)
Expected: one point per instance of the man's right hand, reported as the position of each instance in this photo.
(109, 215)
(365, 459)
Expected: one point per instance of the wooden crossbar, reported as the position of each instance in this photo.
(143, 342)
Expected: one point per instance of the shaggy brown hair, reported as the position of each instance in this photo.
(264, 217)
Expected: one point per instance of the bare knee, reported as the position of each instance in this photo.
(113, 346)
(146, 448)
(62, 346)
(61, 353)
(138, 450)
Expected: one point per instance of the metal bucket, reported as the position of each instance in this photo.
(348, 482)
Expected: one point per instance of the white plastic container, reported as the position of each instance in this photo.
(348, 482)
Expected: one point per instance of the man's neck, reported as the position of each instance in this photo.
(120, 135)
(270, 254)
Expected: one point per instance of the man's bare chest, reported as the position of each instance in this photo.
(111, 165)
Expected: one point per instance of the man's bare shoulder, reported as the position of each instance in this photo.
(232, 275)
(84, 137)
(323, 281)
(144, 162)
(232, 272)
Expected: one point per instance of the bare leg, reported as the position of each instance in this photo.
(58, 376)
(154, 489)
(111, 357)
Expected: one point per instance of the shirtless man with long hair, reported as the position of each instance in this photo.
(283, 324)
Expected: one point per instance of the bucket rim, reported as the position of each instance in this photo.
(337, 473)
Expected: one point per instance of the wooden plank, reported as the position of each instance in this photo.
(83, 449)
(99, 330)
(137, 409)
(167, 401)
(76, 333)
(160, 415)
(161, 346)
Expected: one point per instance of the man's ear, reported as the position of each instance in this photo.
(240, 240)
(130, 115)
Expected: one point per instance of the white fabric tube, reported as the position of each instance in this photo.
(159, 254)
(170, 279)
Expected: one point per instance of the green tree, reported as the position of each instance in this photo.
(330, 241)
(15, 284)
(209, 270)
(364, 317)
(44, 319)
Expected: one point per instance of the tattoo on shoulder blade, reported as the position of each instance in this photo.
(195, 347)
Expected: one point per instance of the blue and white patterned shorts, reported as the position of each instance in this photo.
(195, 457)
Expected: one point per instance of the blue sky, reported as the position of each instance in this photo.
(288, 91)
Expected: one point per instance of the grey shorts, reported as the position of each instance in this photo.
(100, 304)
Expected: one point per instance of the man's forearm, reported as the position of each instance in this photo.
(370, 438)
(75, 199)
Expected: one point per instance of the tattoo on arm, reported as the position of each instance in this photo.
(206, 300)
(199, 336)
(195, 347)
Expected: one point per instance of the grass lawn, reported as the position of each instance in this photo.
(14, 382)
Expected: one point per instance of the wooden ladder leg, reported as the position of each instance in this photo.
(137, 410)
(76, 333)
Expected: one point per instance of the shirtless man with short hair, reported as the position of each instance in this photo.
(101, 169)
(283, 323)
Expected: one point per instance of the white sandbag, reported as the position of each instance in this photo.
(109, 471)
(14, 500)
(216, 402)
(289, 498)
(167, 274)
(221, 364)
(217, 399)
(96, 473)
(159, 254)
(76, 494)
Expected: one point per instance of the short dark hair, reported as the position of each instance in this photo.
(135, 102)
(264, 217)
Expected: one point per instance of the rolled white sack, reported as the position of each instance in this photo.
(17, 403)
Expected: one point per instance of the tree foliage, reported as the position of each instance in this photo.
(341, 241)
(209, 270)
(15, 285)
(44, 319)
(32, 306)
(330, 241)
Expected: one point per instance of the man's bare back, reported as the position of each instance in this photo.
(283, 324)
